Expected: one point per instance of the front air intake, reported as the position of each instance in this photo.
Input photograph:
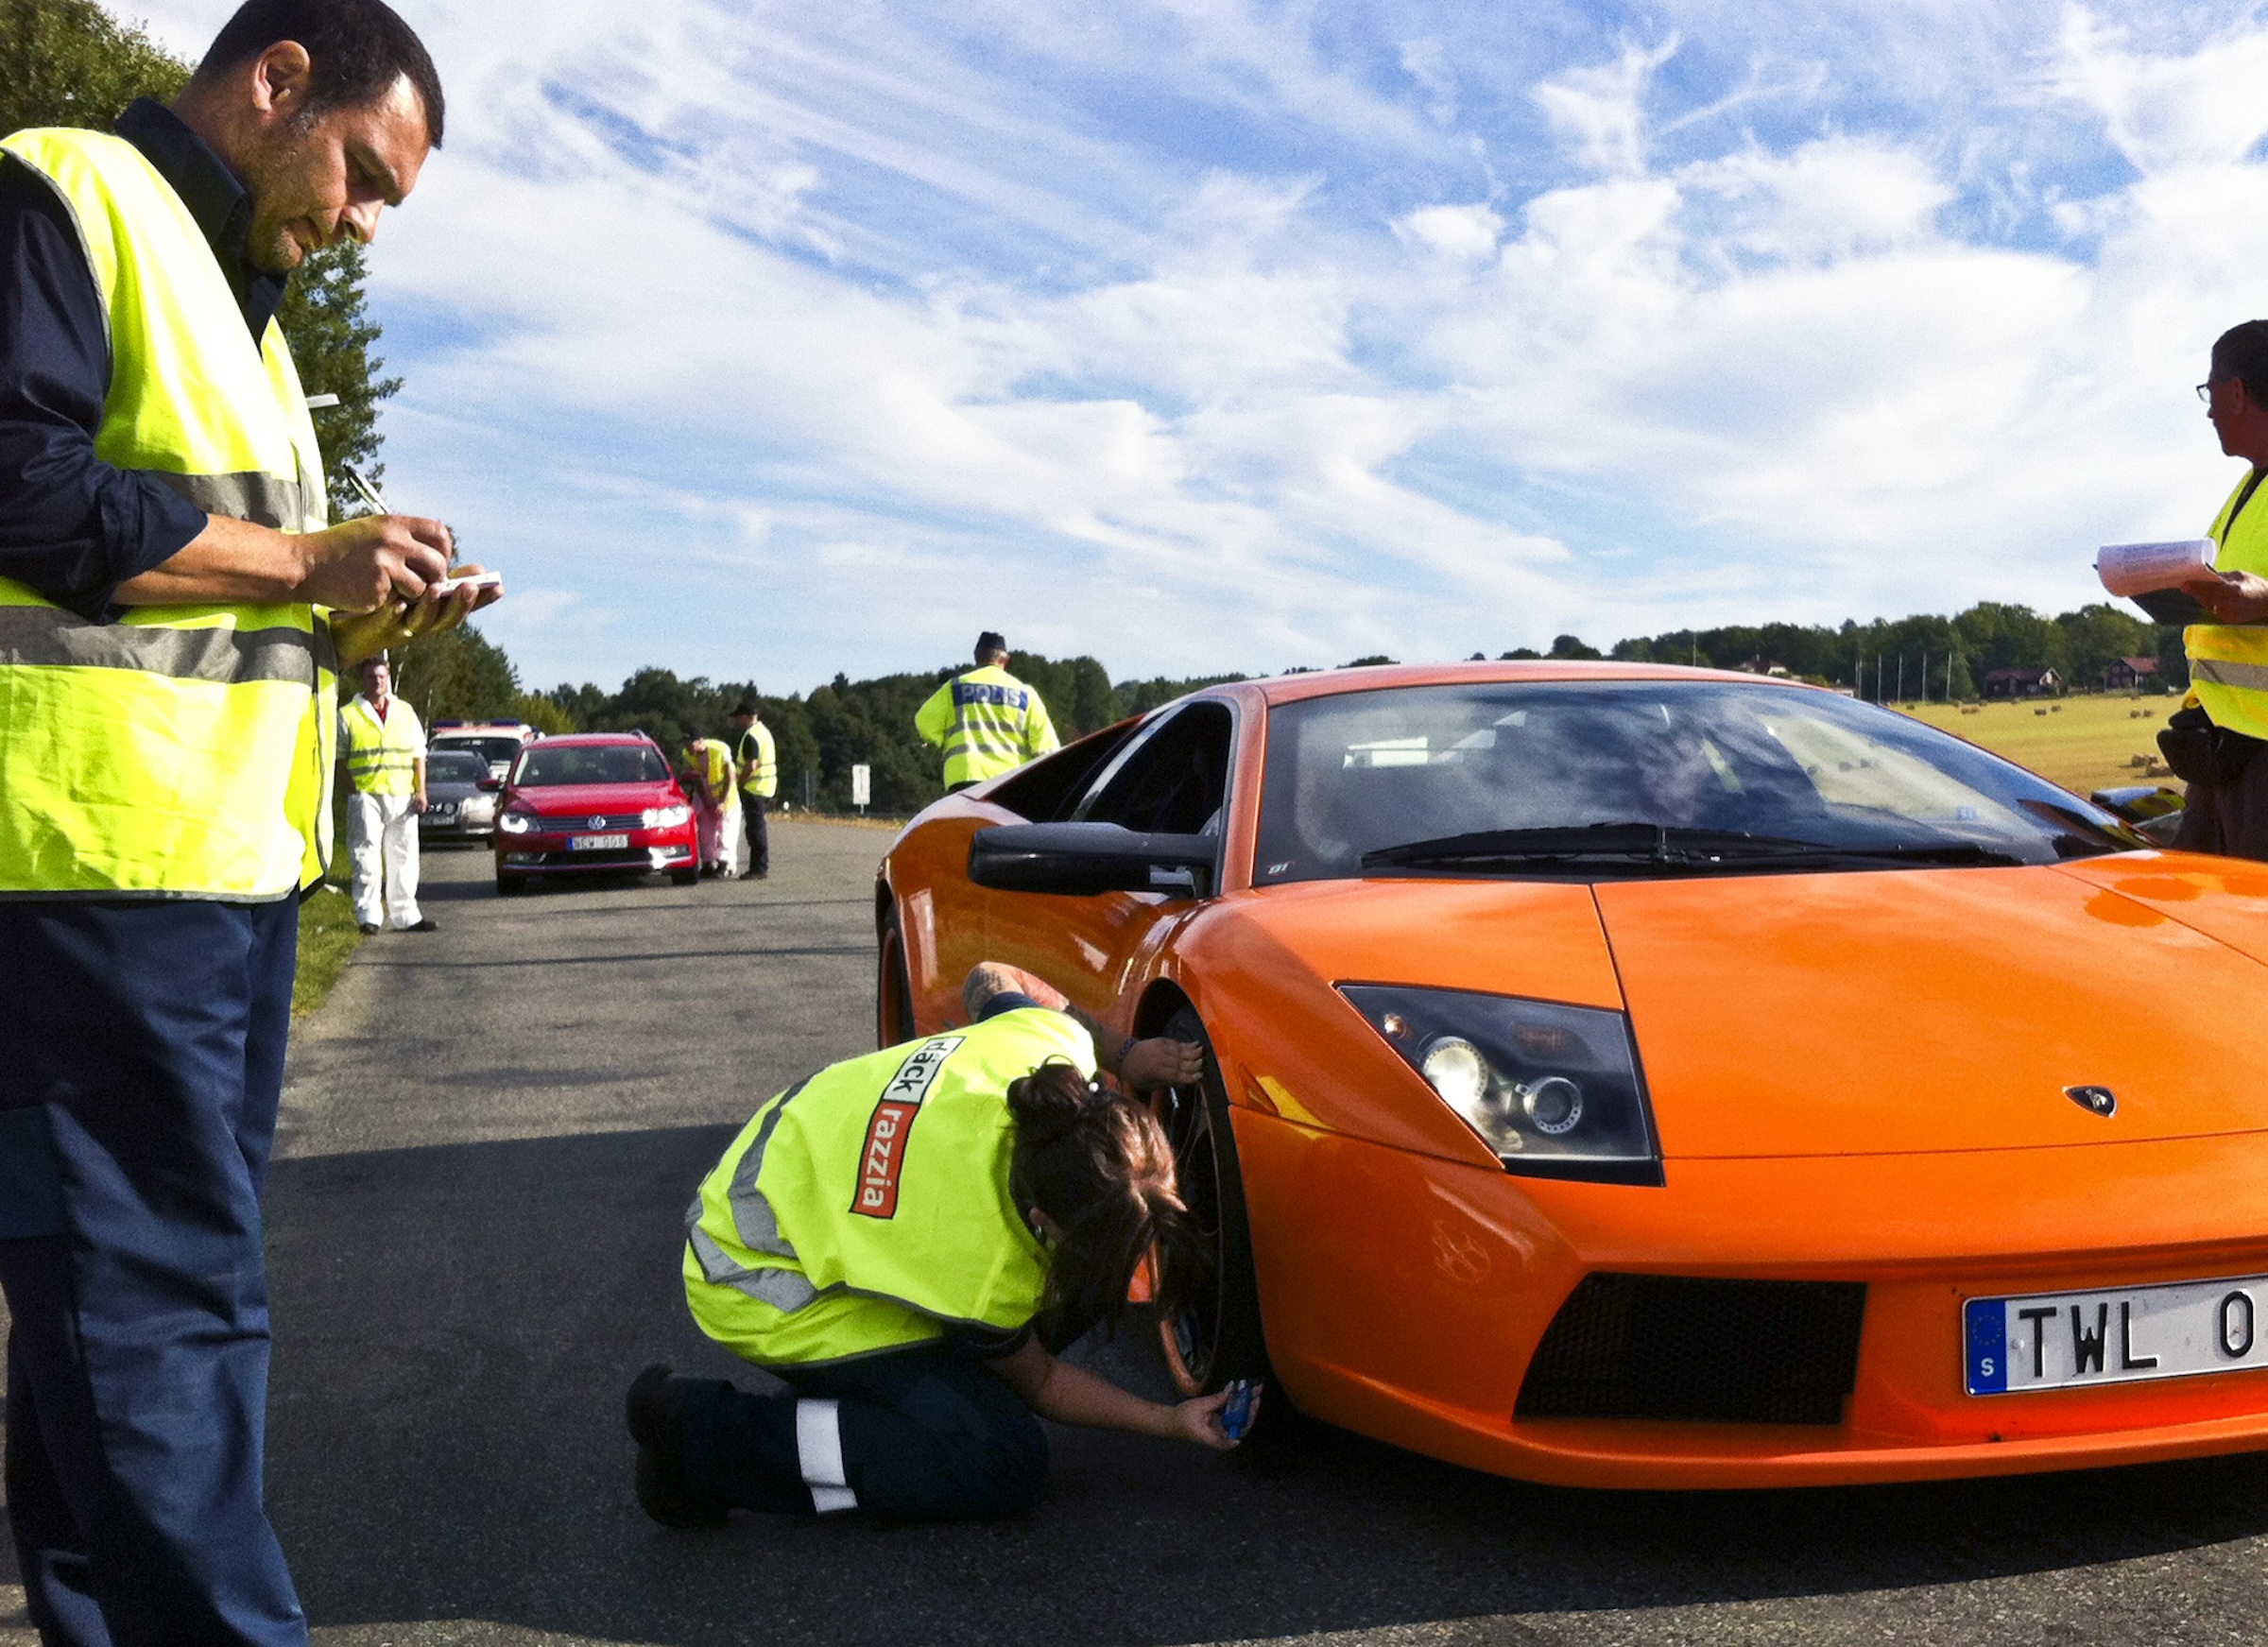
(1698, 1350)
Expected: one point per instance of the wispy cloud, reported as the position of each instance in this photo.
(763, 340)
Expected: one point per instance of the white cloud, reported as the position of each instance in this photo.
(1204, 336)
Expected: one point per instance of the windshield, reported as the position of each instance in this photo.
(1452, 775)
(494, 750)
(447, 767)
(547, 765)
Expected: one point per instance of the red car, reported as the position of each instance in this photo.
(593, 803)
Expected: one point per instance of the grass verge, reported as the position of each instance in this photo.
(328, 936)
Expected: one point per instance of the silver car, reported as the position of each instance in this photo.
(460, 798)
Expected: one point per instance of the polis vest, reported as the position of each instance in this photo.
(181, 751)
(382, 755)
(988, 722)
(2229, 662)
(868, 1208)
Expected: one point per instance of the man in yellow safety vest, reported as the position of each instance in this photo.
(382, 746)
(758, 762)
(986, 720)
(2219, 754)
(716, 805)
(175, 609)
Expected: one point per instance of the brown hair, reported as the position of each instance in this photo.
(1099, 1166)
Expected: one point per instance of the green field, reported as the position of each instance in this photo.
(328, 938)
(2082, 743)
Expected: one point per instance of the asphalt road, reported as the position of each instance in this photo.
(490, 1134)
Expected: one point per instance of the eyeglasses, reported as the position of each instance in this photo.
(2205, 392)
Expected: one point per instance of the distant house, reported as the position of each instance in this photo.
(2130, 674)
(2022, 683)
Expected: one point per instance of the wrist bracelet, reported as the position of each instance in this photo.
(1118, 1059)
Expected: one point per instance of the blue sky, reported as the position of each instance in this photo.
(759, 340)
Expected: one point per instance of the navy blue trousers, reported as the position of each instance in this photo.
(141, 1066)
(927, 1433)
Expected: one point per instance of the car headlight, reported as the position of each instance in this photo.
(1555, 1091)
(665, 817)
(515, 822)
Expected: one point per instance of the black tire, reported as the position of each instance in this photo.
(1216, 1336)
(893, 985)
(511, 886)
(683, 877)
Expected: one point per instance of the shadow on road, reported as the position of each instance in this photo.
(455, 1325)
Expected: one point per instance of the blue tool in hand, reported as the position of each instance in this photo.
(1244, 1399)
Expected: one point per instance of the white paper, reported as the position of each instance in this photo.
(2128, 569)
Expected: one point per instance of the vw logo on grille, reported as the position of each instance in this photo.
(2095, 1100)
(598, 822)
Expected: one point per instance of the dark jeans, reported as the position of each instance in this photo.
(760, 837)
(927, 1432)
(141, 1064)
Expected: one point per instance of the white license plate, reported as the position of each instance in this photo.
(597, 843)
(2061, 1341)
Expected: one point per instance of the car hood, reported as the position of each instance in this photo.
(1929, 1010)
(567, 799)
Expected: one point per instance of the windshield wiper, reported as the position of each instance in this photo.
(1655, 844)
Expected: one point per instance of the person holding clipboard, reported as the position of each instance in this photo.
(2214, 740)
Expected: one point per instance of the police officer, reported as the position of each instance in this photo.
(2215, 739)
(758, 764)
(383, 748)
(167, 589)
(986, 720)
(886, 1237)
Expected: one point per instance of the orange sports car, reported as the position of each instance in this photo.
(1637, 1076)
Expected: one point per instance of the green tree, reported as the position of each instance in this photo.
(331, 334)
(69, 63)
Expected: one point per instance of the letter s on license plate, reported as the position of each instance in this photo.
(597, 843)
(2060, 1341)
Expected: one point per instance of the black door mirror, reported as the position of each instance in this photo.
(1079, 860)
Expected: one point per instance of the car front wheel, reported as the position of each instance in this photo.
(1215, 1335)
(893, 987)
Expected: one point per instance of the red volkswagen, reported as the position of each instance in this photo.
(593, 803)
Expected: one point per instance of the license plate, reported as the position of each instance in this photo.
(597, 843)
(2060, 1341)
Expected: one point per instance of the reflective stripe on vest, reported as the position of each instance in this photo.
(2229, 662)
(181, 751)
(799, 1195)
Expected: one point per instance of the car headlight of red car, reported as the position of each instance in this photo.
(517, 821)
(1555, 1091)
(665, 817)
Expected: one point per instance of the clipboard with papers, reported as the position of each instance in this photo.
(2152, 575)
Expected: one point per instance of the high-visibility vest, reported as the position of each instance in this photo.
(181, 750)
(869, 1207)
(987, 722)
(2229, 662)
(382, 755)
(759, 761)
(713, 764)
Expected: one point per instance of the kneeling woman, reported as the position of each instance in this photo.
(886, 1237)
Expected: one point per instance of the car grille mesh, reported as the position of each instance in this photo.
(1698, 1349)
(580, 823)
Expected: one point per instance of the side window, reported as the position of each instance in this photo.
(1045, 790)
(1176, 781)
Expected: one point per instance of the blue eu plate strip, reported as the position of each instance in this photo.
(1984, 1323)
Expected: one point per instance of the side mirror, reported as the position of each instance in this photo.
(491, 784)
(1078, 860)
(2138, 803)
